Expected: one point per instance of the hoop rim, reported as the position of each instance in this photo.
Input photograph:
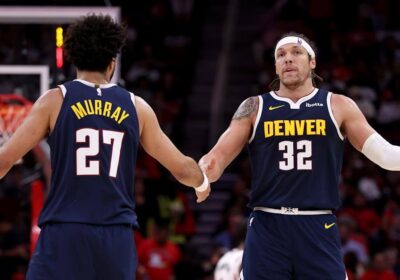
(5, 98)
(12, 114)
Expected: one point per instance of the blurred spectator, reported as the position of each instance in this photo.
(352, 242)
(389, 109)
(14, 253)
(226, 237)
(379, 269)
(157, 255)
(230, 264)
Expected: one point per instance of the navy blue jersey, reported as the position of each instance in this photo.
(296, 153)
(94, 147)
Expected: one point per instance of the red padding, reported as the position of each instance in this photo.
(37, 200)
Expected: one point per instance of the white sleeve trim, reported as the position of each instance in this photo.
(328, 102)
(260, 108)
(133, 98)
(63, 90)
(381, 152)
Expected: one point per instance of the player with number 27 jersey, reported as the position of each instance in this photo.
(296, 153)
(93, 148)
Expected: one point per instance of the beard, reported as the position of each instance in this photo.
(294, 82)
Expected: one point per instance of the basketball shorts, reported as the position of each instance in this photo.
(72, 251)
(292, 247)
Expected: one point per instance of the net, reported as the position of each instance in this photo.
(13, 110)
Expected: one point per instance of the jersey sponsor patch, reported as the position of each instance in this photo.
(316, 104)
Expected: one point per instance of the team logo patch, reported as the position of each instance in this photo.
(299, 41)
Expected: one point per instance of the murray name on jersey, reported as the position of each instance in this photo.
(100, 108)
(294, 127)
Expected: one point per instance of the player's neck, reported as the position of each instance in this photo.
(92, 77)
(295, 93)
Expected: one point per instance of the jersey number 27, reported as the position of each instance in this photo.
(91, 136)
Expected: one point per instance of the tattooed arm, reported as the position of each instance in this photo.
(231, 141)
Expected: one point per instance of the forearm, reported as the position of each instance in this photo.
(381, 152)
(213, 165)
(188, 173)
(5, 163)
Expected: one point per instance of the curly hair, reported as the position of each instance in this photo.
(274, 85)
(93, 41)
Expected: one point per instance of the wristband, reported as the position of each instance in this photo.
(203, 185)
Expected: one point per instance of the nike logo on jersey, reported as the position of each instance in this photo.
(329, 226)
(275, 107)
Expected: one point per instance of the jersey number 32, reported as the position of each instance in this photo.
(296, 155)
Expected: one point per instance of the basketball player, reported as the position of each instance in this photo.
(94, 129)
(230, 264)
(296, 134)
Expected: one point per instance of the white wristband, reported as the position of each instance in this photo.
(204, 185)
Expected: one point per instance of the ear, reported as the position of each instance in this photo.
(111, 66)
(313, 63)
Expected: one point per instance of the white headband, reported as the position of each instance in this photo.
(295, 40)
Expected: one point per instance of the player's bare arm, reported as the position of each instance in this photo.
(159, 146)
(351, 120)
(362, 136)
(232, 140)
(246, 109)
(33, 129)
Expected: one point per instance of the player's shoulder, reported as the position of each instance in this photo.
(341, 99)
(247, 109)
(50, 97)
(342, 102)
(141, 104)
(343, 107)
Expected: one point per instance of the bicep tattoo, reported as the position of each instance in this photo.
(249, 106)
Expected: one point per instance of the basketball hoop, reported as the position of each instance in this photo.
(13, 110)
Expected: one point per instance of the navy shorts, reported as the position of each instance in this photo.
(292, 247)
(82, 252)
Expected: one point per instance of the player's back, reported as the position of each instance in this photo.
(93, 154)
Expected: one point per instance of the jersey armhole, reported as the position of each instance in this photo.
(63, 90)
(133, 98)
(260, 106)
(328, 102)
